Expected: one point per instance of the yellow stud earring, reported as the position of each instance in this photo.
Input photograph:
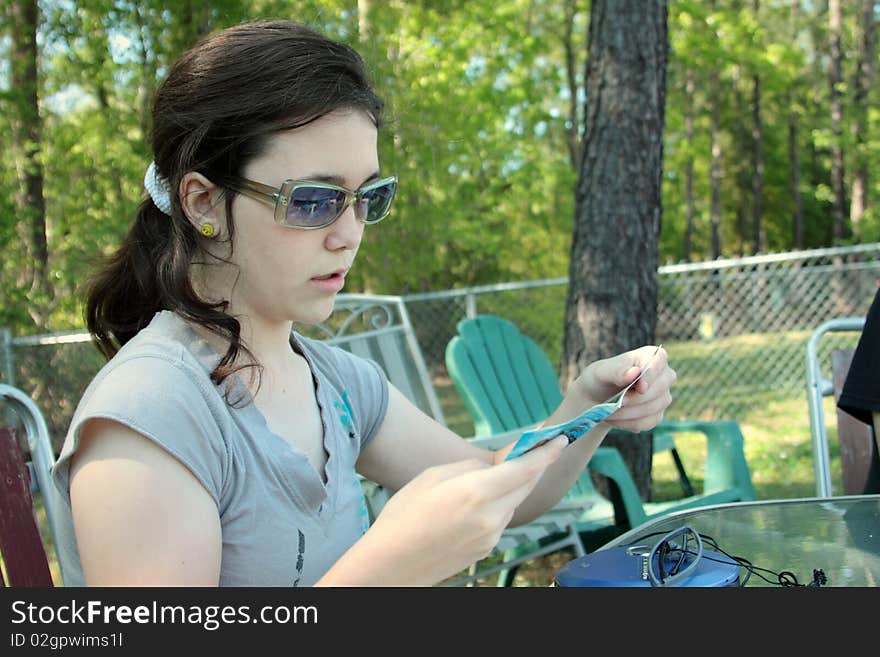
(207, 229)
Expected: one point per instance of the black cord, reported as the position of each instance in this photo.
(785, 578)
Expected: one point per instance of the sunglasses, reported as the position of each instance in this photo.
(670, 562)
(309, 204)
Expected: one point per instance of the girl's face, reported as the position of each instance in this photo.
(282, 273)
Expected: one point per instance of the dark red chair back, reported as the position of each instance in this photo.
(21, 545)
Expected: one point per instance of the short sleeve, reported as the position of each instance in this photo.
(860, 396)
(167, 402)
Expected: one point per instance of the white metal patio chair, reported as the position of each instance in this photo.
(818, 387)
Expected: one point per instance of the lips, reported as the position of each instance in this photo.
(325, 277)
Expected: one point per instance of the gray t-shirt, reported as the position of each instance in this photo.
(281, 523)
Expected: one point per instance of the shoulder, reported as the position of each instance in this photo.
(149, 371)
(158, 388)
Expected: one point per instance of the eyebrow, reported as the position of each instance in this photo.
(338, 180)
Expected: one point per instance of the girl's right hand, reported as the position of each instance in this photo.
(452, 515)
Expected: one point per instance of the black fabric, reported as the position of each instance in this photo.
(860, 396)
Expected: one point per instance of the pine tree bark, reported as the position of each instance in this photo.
(864, 79)
(794, 165)
(574, 122)
(835, 78)
(27, 144)
(715, 165)
(612, 295)
(759, 241)
(689, 166)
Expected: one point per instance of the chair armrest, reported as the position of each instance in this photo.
(608, 462)
(726, 465)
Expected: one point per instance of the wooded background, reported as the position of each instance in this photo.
(769, 140)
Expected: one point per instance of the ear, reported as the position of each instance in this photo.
(202, 201)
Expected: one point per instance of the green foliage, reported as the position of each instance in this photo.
(479, 114)
(479, 189)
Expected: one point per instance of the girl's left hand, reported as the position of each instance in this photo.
(644, 404)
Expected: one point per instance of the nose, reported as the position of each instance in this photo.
(346, 232)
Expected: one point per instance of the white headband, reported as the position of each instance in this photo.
(158, 188)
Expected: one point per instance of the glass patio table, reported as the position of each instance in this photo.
(838, 535)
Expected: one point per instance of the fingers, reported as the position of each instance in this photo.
(510, 475)
(439, 473)
(645, 403)
(657, 367)
(654, 382)
(512, 481)
(642, 417)
(619, 371)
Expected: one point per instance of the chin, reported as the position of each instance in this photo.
(314, 313)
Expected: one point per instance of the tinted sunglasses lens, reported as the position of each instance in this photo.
(313, 207)
(375, 204)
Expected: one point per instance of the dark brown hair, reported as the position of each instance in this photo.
(215, 112)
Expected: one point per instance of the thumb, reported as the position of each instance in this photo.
(511, 474)
(544, 453)
(626, 370)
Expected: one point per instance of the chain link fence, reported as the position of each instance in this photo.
(735, 330)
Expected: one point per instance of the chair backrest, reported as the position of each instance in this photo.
(21, 545)
(503, 376)
(39, 443)
(17, 403)
(818, 387)
(379, 328)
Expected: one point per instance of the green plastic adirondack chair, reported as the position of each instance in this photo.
(507, 382)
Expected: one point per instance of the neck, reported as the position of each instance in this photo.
(267, 338)
(268, 341)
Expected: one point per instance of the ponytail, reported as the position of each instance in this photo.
(125, 293)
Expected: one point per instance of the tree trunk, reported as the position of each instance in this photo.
(27, 144)
(739, 157)
(759, 243)
(689, 166)
(795, 182)
(612, 295)
(574, 122)
(864, 79)
(715, 166)
(839, 231)
(363, 14)
(147, 87)
(794, 165)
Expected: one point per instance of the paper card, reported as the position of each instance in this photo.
(574, 429)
